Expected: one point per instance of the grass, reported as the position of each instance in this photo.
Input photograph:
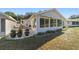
(67, 41)
(30, 43)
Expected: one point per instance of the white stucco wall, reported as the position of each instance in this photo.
(69, 23)
(65, 23)
(34, 29)
(9, 26)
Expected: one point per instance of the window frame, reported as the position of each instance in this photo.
(59, 22)
(45, 20)
(53, 22)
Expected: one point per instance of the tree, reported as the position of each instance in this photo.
(17, 17)
(27, 15)
(11, 14)
(20, 17)
(74, 17)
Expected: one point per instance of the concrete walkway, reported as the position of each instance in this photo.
(67, 41)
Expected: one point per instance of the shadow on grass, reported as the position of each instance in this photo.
(31, 43)
(37, 41)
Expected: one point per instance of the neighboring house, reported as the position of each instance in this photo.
(46, 20)
(7, 23)
(72, 22)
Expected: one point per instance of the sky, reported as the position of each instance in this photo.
(66, 12)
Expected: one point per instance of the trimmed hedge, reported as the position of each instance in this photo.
(41, 33)
(13, 33)
(58, 30)
(50, 31)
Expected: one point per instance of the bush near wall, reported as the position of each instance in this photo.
(41, 33)
(49, 31)
(58, 30)
(13, 33)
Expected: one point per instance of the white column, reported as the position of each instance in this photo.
(37, 23)
(62, 22)
(49, 22)
(56, 23)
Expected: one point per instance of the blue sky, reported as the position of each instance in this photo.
(66, 12)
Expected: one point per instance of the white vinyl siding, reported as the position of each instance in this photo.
(9, 26)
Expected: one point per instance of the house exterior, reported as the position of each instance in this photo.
(45, 20)
(72, 22)
(6, 24)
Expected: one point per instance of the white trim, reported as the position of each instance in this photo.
(40, 13)
(56, 23)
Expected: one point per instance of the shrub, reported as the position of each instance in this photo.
(40, 33)
(19, 33)
(50, 31)
(58, 30)
(13, 33)
(26, 32)
(63, 26)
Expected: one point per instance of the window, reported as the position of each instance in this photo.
(41, 22)
(52, 22)
(2, 25)
(73, 23)
(59, 22)
(44, 22)
(77, 23)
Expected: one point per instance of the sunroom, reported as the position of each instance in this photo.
(47, 20)
(46, 24)
(50, 22)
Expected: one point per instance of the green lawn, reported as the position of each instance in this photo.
(31, 43)
(67, 41)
